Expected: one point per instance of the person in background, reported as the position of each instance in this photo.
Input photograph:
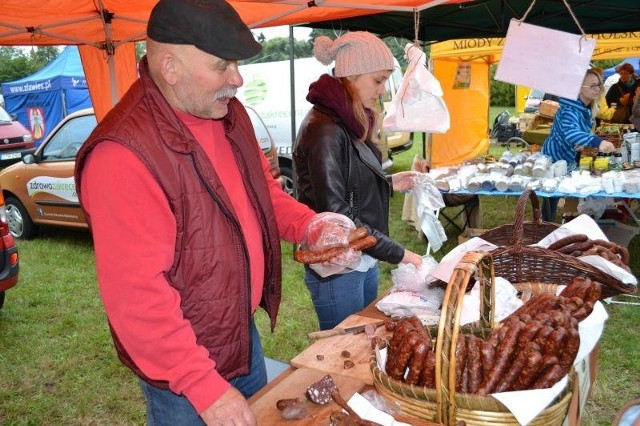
(621, 93)
(338, 165)
(572, 130)
(187, 226)
(635, 112)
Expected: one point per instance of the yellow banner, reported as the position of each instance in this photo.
(608, 46)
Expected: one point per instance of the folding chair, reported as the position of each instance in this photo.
(457, 211)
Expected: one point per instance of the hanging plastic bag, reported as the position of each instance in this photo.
(418, 104)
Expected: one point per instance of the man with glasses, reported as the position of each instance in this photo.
(621, 93)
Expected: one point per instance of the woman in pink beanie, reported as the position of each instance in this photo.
(338, 165)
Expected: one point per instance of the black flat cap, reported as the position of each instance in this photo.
(212, 26)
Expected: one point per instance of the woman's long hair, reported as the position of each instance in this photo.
(372, 132)
(599, 75)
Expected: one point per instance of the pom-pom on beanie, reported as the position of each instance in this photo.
(354, 53)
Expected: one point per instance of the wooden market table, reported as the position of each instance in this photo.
(306, 368)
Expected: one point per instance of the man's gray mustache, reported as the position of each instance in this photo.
(225, 93)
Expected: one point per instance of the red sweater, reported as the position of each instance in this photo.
(131, 216)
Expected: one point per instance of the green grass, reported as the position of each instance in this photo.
(59, 367)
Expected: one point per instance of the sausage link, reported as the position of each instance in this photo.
(623, 252)
(548, 378)
(461, 360)
(404, 355)
(474, 363)
(584, 311)
(363, 243)
(555, 341)
(577, 287)
(418, 360)
(559, 319)
(583, 246)
(393, 354)
(532, 306)
(428, 376)
(569, 349)
(570, 239)
(504, 354)
(403, 327)
(487, 351)
(516, 367)
(529, 332)
(529, 371)
(310, 257)
(358, 233)
(543, 333)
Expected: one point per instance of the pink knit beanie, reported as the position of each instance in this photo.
(356, 52)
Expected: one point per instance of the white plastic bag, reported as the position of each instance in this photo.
(326, 230)
(418, 105)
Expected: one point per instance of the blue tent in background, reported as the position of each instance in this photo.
(44, 98)
(633, 61)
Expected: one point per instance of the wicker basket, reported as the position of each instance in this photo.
(548, 108)
(523, 264)
(443, 404)
(532, 231)
(614, 138)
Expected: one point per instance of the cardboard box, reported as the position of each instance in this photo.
(618, 232)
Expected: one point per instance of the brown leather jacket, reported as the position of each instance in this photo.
(211, 265)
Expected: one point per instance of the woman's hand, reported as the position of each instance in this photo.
(411, 258)
(404, 181)
(606, 146)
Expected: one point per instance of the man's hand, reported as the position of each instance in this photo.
(230, 409)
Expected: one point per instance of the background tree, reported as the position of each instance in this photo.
(17, 63)
(277, 49)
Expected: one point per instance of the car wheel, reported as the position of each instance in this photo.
(1, 299)
(20, 224)
(286, 174)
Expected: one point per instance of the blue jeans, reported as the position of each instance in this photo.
(338, 296)
(167, 408)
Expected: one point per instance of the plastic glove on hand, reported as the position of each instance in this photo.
(327, 230)
(411, 258)
(405, 181)
(606, 146)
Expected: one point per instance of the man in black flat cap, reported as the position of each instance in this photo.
(187, 220)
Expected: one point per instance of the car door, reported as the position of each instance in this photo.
(51, 196)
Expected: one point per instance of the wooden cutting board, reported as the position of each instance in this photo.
(358, 345)
(295, 386)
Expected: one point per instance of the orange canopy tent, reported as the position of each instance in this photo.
(105, 30)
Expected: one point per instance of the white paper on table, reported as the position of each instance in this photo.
(526, 405)
(531, 54)
(367, 411)
(590, 330)
(449, 262)
(426, 307)
(506, 302)
(584, 224)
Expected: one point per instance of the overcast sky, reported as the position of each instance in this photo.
(300, 33)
